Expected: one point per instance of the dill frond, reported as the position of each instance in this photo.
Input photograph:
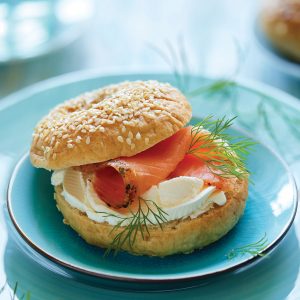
(214, 87)
(2, 288)
(138, 222)
(223, 153)
(254, 249)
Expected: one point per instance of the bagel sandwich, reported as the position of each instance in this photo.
(129, 174)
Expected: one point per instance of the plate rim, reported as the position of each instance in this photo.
(77, 76)
(152, 278)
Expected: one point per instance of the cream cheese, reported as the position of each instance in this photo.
(179, 198)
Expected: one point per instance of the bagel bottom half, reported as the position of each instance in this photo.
(180, 236)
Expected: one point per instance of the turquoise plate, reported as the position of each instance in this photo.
(269, 213)
(269, 114)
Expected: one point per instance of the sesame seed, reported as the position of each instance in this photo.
(138, 136)
(46, 132)
(146, 141)
(70, 146)
(130, 135)
(128, 141)
(47, 154)
(56, 145)
(120, 139)
(118, 119)
(127, 123)
(132, 146)
(47, 149)
(102, 129)
(65, 136)
(88, 140)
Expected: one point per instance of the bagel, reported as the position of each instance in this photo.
(178, 236)
(117, 149)
(280, 22)
(118, 120)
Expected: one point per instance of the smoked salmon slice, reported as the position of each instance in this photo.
(119, 181)
(193, 166)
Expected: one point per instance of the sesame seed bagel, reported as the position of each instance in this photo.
(117, 120)
(280, 21)
(179, 236)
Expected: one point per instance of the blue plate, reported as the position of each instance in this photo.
(269, 213)
(269, 114)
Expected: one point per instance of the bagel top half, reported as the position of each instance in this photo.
(118, 120)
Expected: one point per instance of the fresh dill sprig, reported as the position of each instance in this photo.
(254, 249)
(223, 153)
(176, 57)
(136, 223)
(13, 295)
(15, 290)
(2, 288)
(214, 87)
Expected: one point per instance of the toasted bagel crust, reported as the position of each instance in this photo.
(180, 236)
(118, 120)
(280, 21)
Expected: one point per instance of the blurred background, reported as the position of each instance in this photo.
(40, 39)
